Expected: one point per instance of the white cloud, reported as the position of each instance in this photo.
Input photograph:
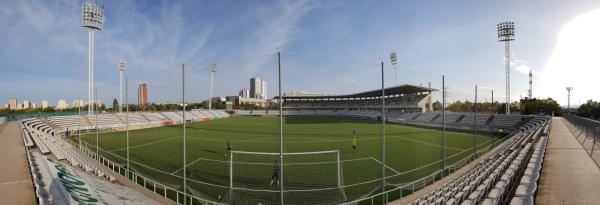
(153, 44)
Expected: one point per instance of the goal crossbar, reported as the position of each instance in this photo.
(287, 153)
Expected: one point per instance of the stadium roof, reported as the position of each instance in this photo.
(395, 90)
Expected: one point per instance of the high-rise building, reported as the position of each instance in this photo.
(6, 106)
(33, 105)
(62, 104)
(143, 94)
(12, 103)
(263, 90)
(255, 87)
(26, 104)
(44, 104)
(258, 88)
(245, 93)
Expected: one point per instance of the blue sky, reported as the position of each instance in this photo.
(328, 46)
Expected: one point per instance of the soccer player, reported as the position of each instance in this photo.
(227, 148)
(275, 176)
(354, 139)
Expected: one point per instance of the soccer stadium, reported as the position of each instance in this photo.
(321, 120)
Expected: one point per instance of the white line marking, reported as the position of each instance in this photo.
(397, 172)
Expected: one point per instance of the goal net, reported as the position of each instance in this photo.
(305, 177)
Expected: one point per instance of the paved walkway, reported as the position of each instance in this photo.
(15, 181)
(569, 176)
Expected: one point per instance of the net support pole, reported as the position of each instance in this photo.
(184, 151)
(96, 123)
(280, 99)
(127, 123)
(443, 125)
(383, 196)
(79, 121)
(339, 177)
(475, 125)
(230, 172)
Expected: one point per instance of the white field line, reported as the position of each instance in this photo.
(426, 143)
(276, 140)
(269, 164)
(142, 145)
(345, 186)
(397, 172)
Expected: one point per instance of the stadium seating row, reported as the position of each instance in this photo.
(514, 166)
(42, 196)
(49, 144)
(119, 120)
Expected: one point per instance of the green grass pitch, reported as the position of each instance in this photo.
(411, 153)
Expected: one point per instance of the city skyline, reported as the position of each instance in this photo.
(424, 37)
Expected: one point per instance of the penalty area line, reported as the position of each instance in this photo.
(397, 172)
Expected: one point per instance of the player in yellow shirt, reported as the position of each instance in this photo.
(354, 139)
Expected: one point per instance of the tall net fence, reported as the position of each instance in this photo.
(307, 178)
(287, 128)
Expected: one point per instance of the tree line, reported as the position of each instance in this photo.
(591, 109)
(525, 107)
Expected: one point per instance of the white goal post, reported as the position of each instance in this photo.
(304, 178)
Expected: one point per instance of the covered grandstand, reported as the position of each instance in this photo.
(403, 98)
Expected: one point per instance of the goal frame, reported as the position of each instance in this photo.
(336, 152)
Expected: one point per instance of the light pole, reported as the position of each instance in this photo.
(569, 98)
(213, 69)
(122, 65)
(506, 33)
(92, 16)
(394, 61)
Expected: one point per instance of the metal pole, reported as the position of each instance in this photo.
(493, 110)
(184, 157)
(127, 122)
(382, 136)
(90, 69)
(443, 125)
(280, 99)
(507, 54)
(475, 125)
(96, 124)
(594, 141)
(212, 77)
(120, 91)
(79, 121)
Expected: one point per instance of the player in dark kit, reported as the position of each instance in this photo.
(275, 176)
(227, 148)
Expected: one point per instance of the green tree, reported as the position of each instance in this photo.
(437, 106)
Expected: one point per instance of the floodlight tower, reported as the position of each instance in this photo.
(122, 65)
(506, 33)
(213, 69)
(530, 85)
(569, 98)
(92, 15)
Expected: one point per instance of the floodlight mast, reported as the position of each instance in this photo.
(92, 16)
(122, 65)
(213, 69)
(506, 33)
(530, 85)
(394, 61)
